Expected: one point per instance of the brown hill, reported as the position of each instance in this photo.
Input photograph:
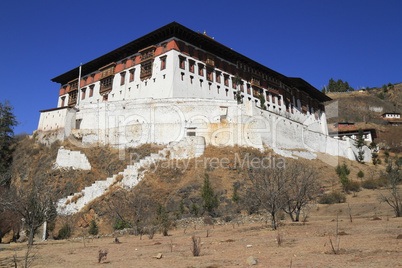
(364, 108)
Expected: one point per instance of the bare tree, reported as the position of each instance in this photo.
(135, 210)
(394, 196)
(302, 188)
(269, 187)
(35, 205)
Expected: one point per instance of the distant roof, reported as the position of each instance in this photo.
(391, 113)
(345, 132)
(348, 123)
(175, 29)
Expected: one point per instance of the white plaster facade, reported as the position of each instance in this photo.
(71, 159)
(188, 95)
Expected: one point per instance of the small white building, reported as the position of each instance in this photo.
(391, 115)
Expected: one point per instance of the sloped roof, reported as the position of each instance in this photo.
(200, 40)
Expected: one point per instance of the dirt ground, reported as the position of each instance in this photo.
(369, 241)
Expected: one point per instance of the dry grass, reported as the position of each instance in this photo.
(368, 244)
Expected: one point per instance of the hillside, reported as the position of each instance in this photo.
(364, 108)
(176, 186)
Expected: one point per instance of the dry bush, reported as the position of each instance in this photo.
(102, 255)
(196, 246)
(75, 198)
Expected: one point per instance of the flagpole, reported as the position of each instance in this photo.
(79, 84)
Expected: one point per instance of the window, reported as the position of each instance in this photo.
(147, 60)
(191, 65)
(132, 75)
(107, 70)
(234, 86)
(91, 90)
(83, 93)
(72, 98)
(218, 76)
(200, 69)
(163, 62)
(146, 69)
(106, 85)
(209, 75)
(122, 78)
(210, 60)
(105, 97)
(226, 80)
(182, 62)
(63, 99)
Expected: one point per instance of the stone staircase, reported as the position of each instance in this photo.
(189, 147)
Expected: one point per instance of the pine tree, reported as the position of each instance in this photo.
(7, 123)
(210, 199)
(93, 228)
(359, 143)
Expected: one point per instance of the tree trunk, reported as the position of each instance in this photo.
(297, 215)
(44, 231)
(31, 235)
(273, 221)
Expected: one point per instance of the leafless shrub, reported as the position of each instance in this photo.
(171, 245)
(335, 244)
(289, 187)
(102, 255)
(209, 232)
(394, 196)
(279, 239)
(151, 231)
(350, 213)
(196, 246)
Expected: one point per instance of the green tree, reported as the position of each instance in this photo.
(209, 197)
(374, 153)
(343, 171)
(235, 195)
(359, 143)
(93, 228)
(337, 86)
(162, 219)
(7, 123)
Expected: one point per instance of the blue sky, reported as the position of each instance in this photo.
(359, 41)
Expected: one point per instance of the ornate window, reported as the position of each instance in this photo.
(106, 85)
(146, 69)
(147, 60)
(210, 60)
(73, 92)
